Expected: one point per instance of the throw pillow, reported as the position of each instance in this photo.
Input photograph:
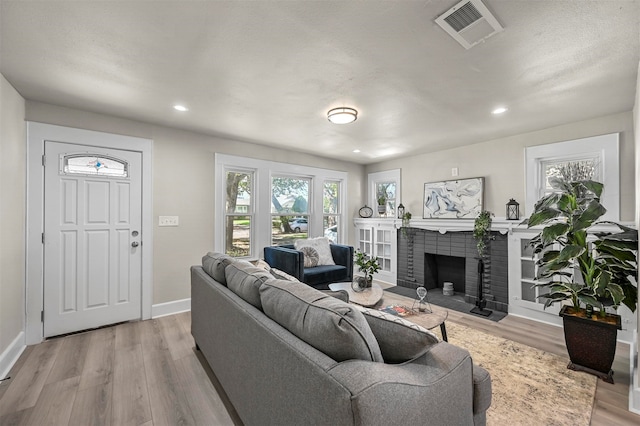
(245, 280)
(321, 245)
(261, 263)
(281, 275)
(214, 264)
(324, 322)
(399, 340)
(311, 257)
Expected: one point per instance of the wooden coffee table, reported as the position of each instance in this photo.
(366, 297)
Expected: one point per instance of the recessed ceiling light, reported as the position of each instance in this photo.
(500, 110)
(342, 115)
(180, 108)
(356, 150)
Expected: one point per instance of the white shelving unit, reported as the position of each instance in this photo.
(378, 238)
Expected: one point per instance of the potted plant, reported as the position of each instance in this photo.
(382, 203)
(591, 270)
(369, 266)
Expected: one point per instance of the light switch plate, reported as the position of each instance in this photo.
(454, 171)
(168, 221)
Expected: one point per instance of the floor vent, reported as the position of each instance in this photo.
(469, 23)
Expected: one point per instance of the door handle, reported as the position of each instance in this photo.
(135, 244)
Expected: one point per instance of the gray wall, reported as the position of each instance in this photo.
(501, 163)
(183, 185)
(12, 213)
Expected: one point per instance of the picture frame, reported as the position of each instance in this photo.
(453, 199)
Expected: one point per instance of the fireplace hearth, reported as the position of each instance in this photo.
(430, 258)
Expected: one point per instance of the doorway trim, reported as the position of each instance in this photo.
(37, 134)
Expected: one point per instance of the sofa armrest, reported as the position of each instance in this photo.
(285, 259)
(438, 386)
(343, 255)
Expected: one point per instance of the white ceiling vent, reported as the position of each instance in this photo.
(469, 22)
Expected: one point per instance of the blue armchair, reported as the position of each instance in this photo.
(289, 260)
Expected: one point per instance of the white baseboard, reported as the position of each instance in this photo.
(170, 308)
(634, 386)
(11, 354)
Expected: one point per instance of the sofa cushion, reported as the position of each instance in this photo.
(245, 280)
(324, 322)
(399, 340)
(214, 265)
(319, 244)
(325, 274)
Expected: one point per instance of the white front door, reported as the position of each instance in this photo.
(92, 237)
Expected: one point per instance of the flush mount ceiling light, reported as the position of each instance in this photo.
(180, 108)
(499, 111)
(342, 115)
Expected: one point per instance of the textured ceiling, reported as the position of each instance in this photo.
(268, 71)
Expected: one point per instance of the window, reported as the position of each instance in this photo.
(94, 165)
(289, 209)
(384, 192)
(270, 203)
(589, 158)
(238, 218)
(331, 210)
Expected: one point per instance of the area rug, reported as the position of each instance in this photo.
(530, 386)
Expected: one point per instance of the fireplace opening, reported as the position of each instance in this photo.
(439, 269)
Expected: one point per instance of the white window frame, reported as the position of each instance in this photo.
(604, 147)
(380, 177)
(264, 170)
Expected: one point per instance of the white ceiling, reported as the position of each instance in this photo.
(268, 71)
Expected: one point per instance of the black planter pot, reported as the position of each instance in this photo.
(591, 343)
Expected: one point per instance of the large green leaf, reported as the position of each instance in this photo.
(570, 252)
(543, 215)
(616, 293)
(592, 212)
(550, 233)
(559, 184)
(593, 186)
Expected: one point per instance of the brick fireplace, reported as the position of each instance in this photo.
(429, 258)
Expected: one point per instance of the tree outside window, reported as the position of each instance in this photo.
(289, 209)
(238, 213)
(331, 210)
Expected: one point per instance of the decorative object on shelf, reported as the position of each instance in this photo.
(513, 210)
(482, 235)
(400, 211)
(453, 199)
(382, 203)
(607, 265)
(365, 212)
(369, 266)
(422, 300)
(342, 115)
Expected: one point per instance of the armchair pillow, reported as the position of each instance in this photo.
(320, 245)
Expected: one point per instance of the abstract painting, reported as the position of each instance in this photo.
(453, 199)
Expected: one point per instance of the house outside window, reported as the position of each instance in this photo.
(289, 209)
(331, 210)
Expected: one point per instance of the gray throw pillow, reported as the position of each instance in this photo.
(400, 340)
(310, 256)
(245, 280)
(214, 264)
(319, 244)
(324, 322)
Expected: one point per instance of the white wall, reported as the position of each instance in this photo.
(501, 163)
(12, 219)
(634, 395)
(183, 185)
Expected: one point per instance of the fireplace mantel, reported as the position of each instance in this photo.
(498, 224)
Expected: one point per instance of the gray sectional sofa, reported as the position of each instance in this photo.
(288, 354)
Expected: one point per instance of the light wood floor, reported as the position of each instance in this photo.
(148, 373)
